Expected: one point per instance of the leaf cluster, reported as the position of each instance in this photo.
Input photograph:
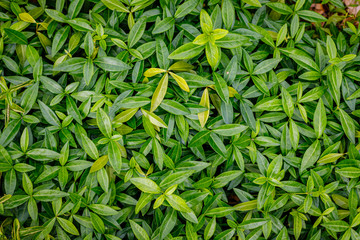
(178, 119)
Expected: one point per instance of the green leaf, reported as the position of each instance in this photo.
(115, 5)
(8, 134)
(168, 224)
(313, 94)
(287, 102)
(221, 87)
(348, 125)
(178, 203)
(228, 13)
(42, 154)
(80, 24)
(49, 195)
(336, 225)
(311, 155)
(67, 226)
(226, 235)
(104, 123)
(174, 107)
(320, 119)
(331, 47)
(220, 211)
(247, 115)
(229, 129)
(266, 66)
(138, 231)
(232, 40)
(102, 209)
(72, 109)
(114, 154)
(49, 114)
(88, 44)
(186, 8)
(210, 228)
(252, 223)
(213, 54)
(311, 16)
(70, 65)
(279, 7)
(136, 32)
(335, 81)
(16, 36)
(175, 178)
(89, 147)
(59, 39)
(162, 54)
(301, 58)
(164, 25)
(97, 223)
(187, 51)
(146, 185)
(111, 64)
(200, 138)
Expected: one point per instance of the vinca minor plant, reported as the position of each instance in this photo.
(179, 119)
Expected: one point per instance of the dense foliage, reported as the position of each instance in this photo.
(178, 119)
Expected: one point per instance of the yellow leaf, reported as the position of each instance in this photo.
(219, 33)
(343, 213)
(212, 87)
(45, 42)
(91, 122)
(153, 71)
(181, 82)
(160, 92)
(16, 108)
(341, 201)
(201, 39)
(44, 26)
(232, 92)
(98, 104)
(155, 120)
(213, 54)
(329, 158)
(125, 115)
(303, 113)
(273, 35)
(123, 129)
(138, 168)
(246, 206)
(358, 146)
(99, 164)
(205, 101)
(157, 128)
(27, 18)
(3, 85)
(5, 198)
(181, 66)
(150, 170)
(159, 201)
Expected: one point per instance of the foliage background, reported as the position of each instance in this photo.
(179, 119)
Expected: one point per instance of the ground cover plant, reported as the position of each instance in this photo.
(179, 119)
